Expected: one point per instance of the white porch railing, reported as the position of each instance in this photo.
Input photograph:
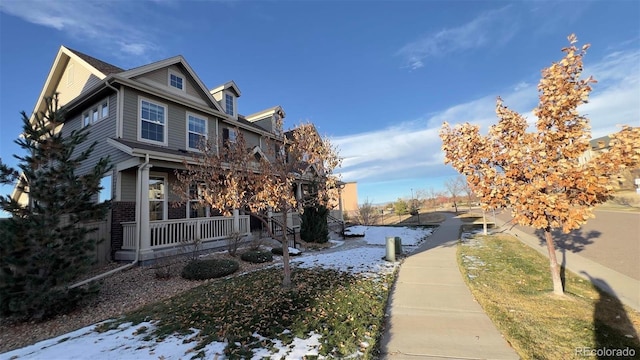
(168, 233)
(294, 219)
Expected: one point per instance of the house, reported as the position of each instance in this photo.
(148, 120)
(626, 179)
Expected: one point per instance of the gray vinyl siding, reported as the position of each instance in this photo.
(177, 127)
(173, 196)
(252, 139)
(128, 185)
(161, 78)
(129, 114)
(98, 132)
(176, 122)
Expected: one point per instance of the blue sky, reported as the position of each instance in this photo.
(377, 77)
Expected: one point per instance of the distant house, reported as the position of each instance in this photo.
(628, 179)
(148, 120)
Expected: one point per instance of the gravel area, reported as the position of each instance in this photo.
(121, 292)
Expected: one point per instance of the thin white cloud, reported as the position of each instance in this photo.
(491, 27)
(98, 23)
(411, 150)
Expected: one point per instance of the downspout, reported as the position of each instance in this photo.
(138, 191)
(120, 110)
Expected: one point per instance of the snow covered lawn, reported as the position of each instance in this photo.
(129, 341)
(377, 235)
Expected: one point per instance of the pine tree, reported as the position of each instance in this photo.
(44, 248)
(314, 227)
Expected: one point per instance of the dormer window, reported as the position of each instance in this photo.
(228, 100)
(176, 80)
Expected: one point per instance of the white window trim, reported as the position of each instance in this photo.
(177, 74)
(165, 140)
(234, 104)
(165, 201)
(96, 107)
(206, 128)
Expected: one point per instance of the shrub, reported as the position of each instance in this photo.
(257, 256)
(278, 251)
(209, 269)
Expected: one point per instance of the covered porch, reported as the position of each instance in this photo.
(171, 237)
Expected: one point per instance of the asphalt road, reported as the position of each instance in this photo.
(611, 239)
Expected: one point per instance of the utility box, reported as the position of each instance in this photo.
(398, 245)
(391, 253)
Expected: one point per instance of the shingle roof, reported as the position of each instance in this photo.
(100, 65)
(243, 120)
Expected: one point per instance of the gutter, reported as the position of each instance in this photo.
(103, 275)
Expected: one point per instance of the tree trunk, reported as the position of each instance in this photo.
(286, 279)
(553, 263)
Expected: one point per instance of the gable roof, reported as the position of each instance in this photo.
(266, 112)
(94, 66)
(228, 85)
(103, 67)
(176, 60)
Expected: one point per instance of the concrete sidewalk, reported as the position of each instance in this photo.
(432, 314)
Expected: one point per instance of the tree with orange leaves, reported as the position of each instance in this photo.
(542, 175)
(231, 176)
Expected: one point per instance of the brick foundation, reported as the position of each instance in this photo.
(121, 211)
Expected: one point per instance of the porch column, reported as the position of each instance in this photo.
(236, 221)
(145, 231)
(299, 191)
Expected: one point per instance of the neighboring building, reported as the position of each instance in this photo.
(350, 199)
(148, 120)
(627, 179)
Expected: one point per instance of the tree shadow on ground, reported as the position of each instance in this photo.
(575, 242)
(613, 330)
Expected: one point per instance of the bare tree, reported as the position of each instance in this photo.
(454, 188)
(231, 177)
(368, 214)
(467, 191)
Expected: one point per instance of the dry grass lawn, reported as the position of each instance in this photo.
(513, 284)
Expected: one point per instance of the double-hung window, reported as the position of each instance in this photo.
(153, 120)
(228, 101)
(196, 131)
